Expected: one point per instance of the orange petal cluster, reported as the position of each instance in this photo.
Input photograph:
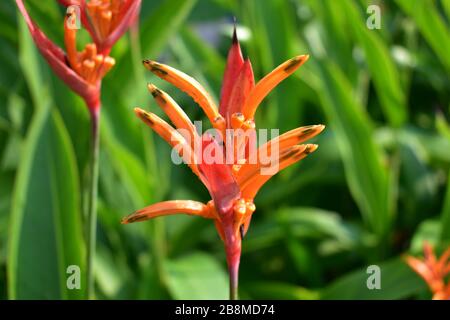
(105, 15)
(433, 270)
(88, 64)
(242, 99)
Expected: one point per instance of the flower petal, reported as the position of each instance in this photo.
(288, 139)
(171, 136)
(250, 182)
(175, 113)
(269, 82)
(420, 268)
(444, 262)
(172, 207)
(188, 85)
(429, 256)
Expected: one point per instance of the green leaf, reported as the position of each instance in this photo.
(196, 276)
(419, 185)
(445, 215)
(206, 58)
(317, 222)
(367, 178)
(275, 290)
(272, 42)
(428, 231)
(160, 26)
(431, 26)
(398, 281)
(45, 235)
(129, 168)
(444, 129)
(381, 66)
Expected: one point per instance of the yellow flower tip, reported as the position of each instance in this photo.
(138, 111)
(236, 168)
(89, 64)
(148, 64)
(310, 148)
(249, 124)
(317, 129)
(296, 62)
(219, 123)
(154, 66)
(107, 15)
(136, 216)
(154, 90)
(269, 82)
(109, 61)
(250, 206)
(133, 217)
(240, 209)
(237, 120)
(145, 116)
(151, 87)
(238, 116)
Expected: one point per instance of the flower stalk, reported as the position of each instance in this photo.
(233, 260)
(91, 234)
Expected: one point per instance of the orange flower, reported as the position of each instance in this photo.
(81, 71)
(232, 182)
(106, 20)
(89, 64)
(433, 271)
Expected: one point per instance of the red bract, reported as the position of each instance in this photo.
(69, 2)
(234, 181)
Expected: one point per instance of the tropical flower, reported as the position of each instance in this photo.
(433, 271)
(232, 184)
(83, 71)
(106, 20)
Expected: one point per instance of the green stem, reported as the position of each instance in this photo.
(92, 202)
(233, 258)
(234, 275)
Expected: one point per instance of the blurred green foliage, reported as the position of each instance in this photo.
(375, 190)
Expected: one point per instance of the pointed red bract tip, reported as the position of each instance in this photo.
(235, 61)
(242, 87)
(235, 37)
